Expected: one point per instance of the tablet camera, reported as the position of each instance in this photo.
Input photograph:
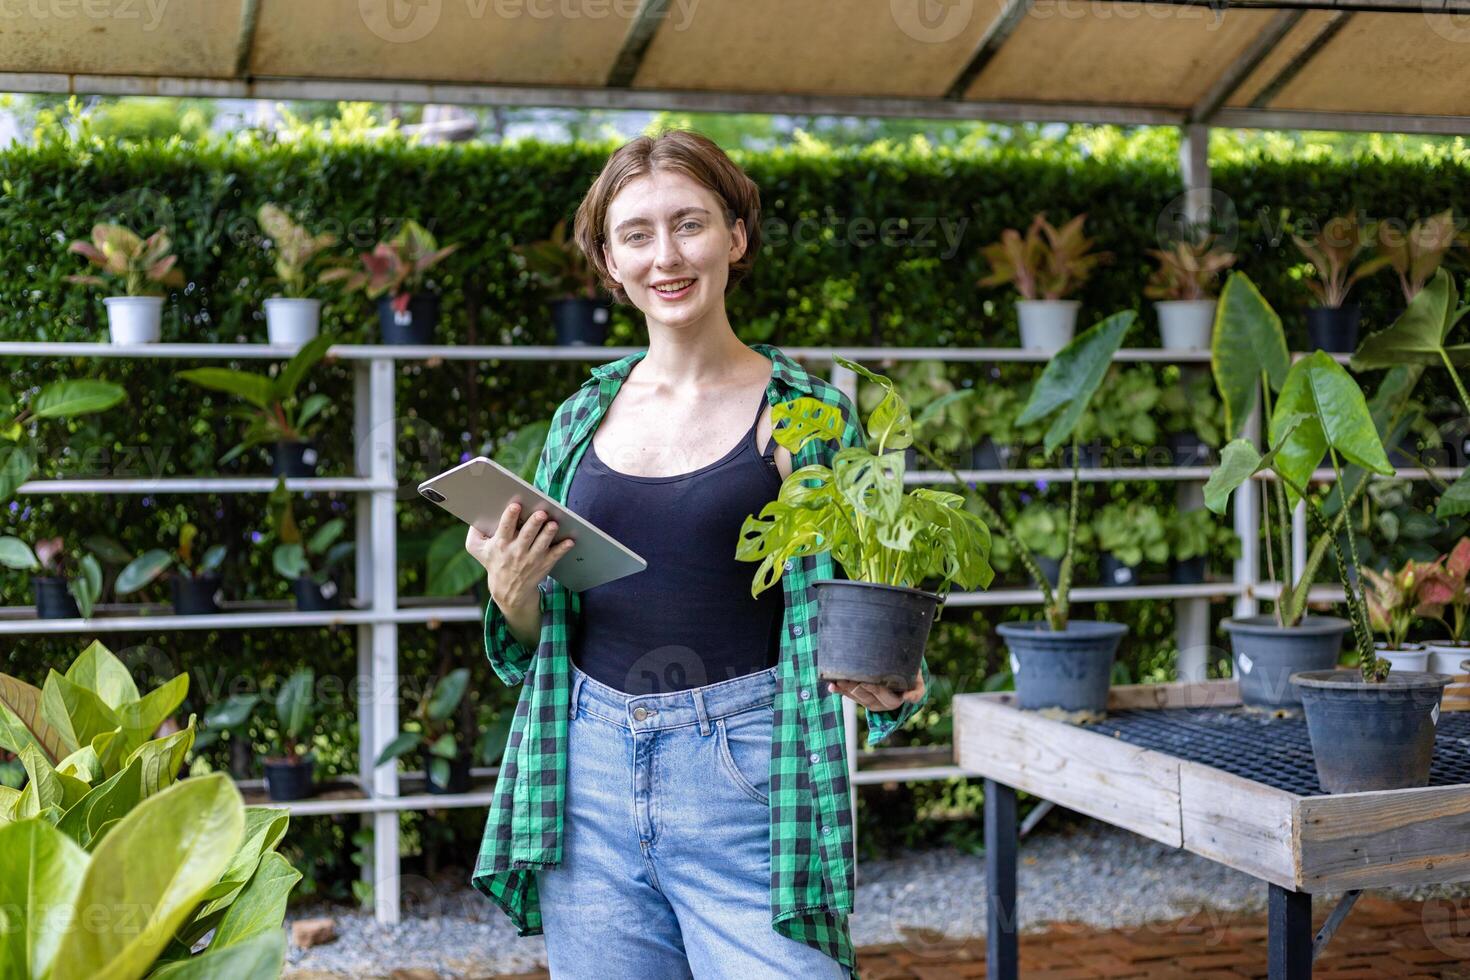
(433, 494)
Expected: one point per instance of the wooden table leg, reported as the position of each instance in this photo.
(1002, 962)
(1289, 942)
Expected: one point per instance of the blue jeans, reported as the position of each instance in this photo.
(666, 860)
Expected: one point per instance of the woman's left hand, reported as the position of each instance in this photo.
(876, 696)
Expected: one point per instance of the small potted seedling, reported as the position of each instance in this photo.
(1394, 603)
(1332, 324)
(277, 416)
(194, 576)
(289, 775)
(134, 268)
(70, 581)
(1183, 288)
(293, 317)
(873, 625)
(1044, 266)
(579, 311)
(1195, 536)
(446, 762)
(307, 561)
(1128, 534)
(395, 274)
(1444, 584)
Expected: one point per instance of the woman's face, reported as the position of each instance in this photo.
(666, 230)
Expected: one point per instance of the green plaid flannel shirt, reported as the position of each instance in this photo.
(811, 819)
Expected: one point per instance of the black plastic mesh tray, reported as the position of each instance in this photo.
(1273, 751)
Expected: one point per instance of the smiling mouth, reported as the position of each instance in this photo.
(674, 287)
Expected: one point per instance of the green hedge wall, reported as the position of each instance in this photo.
(834, 269)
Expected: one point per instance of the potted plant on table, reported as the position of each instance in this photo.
(872, 626)
(71, 579)
(1182, 288)
(1332, 324)
(1044, 266)
(1128, 534)
(131, 266)
(307, 561)
(445, 760)
(195, 580)
(289, 774)
(1394, 602)
(395, 274)
(1194, 538)
(579, 311)
(277, 416)
(293, 317)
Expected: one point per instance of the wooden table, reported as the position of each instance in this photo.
(1186, 765)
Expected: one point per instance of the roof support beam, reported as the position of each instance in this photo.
(245, 41)
(1259, 49)
(651, 15)
(995, 35)
(1273, 88)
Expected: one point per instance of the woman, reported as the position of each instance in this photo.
(673, 798)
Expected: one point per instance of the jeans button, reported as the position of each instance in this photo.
(640, 713)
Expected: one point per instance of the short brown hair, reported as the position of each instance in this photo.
(690, 153)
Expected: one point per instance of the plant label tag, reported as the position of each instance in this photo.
(308, 456)
(1015, 665)
(599, 315)
(1246, 663)
(1434, 716)
(328, 589)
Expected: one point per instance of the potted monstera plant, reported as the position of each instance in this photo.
(395, 274)
(1182, 288)
(135, 268)
(579, 311)
(1332, 324)
(1045, 265)
(293, 317)
(873, 625)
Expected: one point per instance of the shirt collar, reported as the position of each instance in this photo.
(783, 368)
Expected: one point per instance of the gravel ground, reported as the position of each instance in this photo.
(1078, 871)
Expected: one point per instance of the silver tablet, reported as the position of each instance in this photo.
(478, 491)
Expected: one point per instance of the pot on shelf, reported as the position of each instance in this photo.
(198, 596)
(293, 459)
(1051, 568)
(1186, 324)
(290, 779)
(1333, 328)
(1189, 571)
(134, 319)
(986, 455)
(1047, 324)
(415, 325)
(1371, 736)
(1410, 656)
(1068, 669)
(1444, 658)
(1114, 573)
(291, 321)
(579, 320)
(870, 632)
(311, 597)
(53, 599)
(459, 773)
(1188, 449)
(1266, 655)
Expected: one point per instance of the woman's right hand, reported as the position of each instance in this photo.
(517, 561)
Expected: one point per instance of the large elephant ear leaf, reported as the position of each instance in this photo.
(808, 419)
(1248, 342)
(1418, 335)
(890, 424)
(1072, 377)
(1338, 416)
(1239, 461)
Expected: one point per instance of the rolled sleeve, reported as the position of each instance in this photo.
(509, 657)
(881, 724)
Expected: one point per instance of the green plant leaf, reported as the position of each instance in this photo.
(294, 702)
(873, 485)
(15, 553)
(141, 718)
(161, 759)
(41, 872)
(1456, 498)
(808, 419)
(289, 560)
(451, 569)
(98, 670)
(261, 957)
(326, 535)
(303, 361)
(253, 388)
(79, 714)
(214, 557)
(142, 570)
(448, 693)
(1336, 415)
(17, 463)
(87, 587)
(22, 722)
(1418, 335)
(890, 425)
(1070, 379)
(65, 399)
(1248, 342)
(402, 742)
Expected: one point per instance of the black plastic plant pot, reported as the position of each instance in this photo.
(459, 774)
(1333, 328)
(1114, 573)
(290, 780)
(1069, 669)
(1051, 568)
(1188, 449)
(1089, 456)
(311, 597)
(1189, 571)
(986, 455)
(293, 460)
(581, 321)
(196, 596)
(1266, 655)
(53, 601)
(871, 632)
(414, 325)
(1371, 736)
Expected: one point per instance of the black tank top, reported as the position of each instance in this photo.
(688, 619)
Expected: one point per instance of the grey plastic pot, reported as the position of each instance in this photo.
(1266, 655)
(1068, 669)
(1371, 736)
(871, 632)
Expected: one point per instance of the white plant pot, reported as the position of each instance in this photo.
(292, 322)
(1047, 324)
(134, 319)
(1411, 656)
(1445, 658)
(1186, 324)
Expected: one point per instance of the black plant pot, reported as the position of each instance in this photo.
(293, 459)
(196, 596)
(581, 321)
(988, 456)
(1069, 669)
(1114, 573)
(1266, 655)
(53, 601)
(311, 597)
(1089, 456)
(290, 780)
(414, 325)
(871, 632)
(1371, 736)
(1333, 329)
(459, 773)
(1188, 449)
(1189, 571)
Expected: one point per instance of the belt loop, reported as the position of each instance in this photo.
(577, 676)
(699, 710)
